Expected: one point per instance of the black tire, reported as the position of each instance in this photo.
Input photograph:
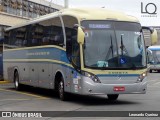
(61, 92)
(16, 81)
(113, 97)
(150, 71)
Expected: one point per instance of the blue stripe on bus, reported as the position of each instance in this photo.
(37, 53)
(41, 62)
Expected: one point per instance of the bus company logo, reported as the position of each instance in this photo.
(148, 10)
(119, 77)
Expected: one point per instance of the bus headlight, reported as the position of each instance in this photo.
(141, 77)
(92, 76)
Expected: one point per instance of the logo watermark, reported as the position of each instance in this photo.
(41, 114)
(148, 10)
(21, 115)
(6, 114)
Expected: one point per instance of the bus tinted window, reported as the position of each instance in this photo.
(6, 39)
(12, 38)
(15, 38)
(47, 32)
(20, 37)
(35, 34)
(53, 34)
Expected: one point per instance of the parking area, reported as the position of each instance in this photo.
(36, 99)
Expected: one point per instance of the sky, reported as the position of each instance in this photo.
(130, 7)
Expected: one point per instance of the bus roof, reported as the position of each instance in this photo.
(154, 48)
(83, 14)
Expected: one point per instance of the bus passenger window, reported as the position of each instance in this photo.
(24, 42)
(34, 42)
(45, 41)
(20, 36)
(59, 39)
(36, 34)
(18, 43)
(53, 32)
(6, 39)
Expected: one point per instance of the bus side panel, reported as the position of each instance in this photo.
(45, 74)
(68, 79)
(38, 67)
(11, 67)
(64, 70)
(33, 74)
(1, 66)
(8, 71)
(25, 77)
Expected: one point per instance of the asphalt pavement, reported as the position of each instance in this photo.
(36, 99)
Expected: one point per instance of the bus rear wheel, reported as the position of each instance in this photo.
(113, 97)
(16, 81)
(150, 71)
(62, 93)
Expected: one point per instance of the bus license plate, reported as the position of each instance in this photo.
(119, 88)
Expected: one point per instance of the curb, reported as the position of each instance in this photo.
(4, 82)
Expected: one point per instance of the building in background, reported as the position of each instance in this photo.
(14, 12)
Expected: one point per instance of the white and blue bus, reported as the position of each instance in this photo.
(81, 51)
(154, 58)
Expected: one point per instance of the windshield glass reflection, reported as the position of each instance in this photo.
(111, 45)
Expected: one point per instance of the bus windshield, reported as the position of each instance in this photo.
(113, 45)
(154, 58)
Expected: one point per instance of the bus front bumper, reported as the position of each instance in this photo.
(90, 88)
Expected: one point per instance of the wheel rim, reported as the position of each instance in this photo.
(16, 81)
(61, 90)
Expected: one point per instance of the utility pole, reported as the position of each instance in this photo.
(66, 3)
(50, 4)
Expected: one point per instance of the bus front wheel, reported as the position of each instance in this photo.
(16, 81)
(113, 97)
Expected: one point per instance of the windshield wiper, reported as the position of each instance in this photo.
(122, 47)
(110, 49)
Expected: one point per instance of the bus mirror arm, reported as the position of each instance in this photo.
(148, 28)
(77, 25)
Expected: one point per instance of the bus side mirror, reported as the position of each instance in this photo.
(154, 37)
(81, 35)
